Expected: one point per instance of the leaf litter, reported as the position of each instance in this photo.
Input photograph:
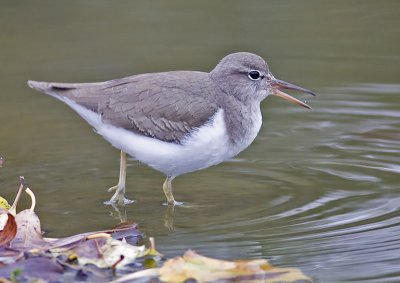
(106, 256)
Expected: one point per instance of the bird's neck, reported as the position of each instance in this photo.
(243, 122)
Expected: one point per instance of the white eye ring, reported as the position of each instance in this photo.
(254, 75)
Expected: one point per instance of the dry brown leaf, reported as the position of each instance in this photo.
(29, 233)
(8, 225)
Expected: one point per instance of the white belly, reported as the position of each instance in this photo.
(208, 145)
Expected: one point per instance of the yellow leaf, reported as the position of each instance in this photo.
(4, 204)
(204, 269)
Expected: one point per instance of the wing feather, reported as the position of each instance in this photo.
(167, 106)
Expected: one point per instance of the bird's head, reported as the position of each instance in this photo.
(247, 77)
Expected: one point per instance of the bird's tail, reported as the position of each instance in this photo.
(83, 94)
(40, 86)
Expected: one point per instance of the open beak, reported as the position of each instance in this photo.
(277, 85)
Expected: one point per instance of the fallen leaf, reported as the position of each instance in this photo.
(34, 268)
(4, 204)
(128, 231)
(91, 255)
(29, 233)
(8, 225)
(142, 274)
(204, 269)
(108, 252)
(69, 243)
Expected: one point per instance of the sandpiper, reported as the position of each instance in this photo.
(180, 121)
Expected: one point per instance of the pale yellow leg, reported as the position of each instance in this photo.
(167, 187)
(119, 195)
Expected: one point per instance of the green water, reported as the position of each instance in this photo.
(319, 190)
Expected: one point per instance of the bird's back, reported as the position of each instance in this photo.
(166, 106)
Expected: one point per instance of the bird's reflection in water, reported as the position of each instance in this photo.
(169, 212)
(169, 217)
(119, 213)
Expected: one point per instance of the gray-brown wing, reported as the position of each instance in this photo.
(166, 114)
(166, 106)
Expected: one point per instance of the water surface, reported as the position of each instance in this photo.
(317, 189)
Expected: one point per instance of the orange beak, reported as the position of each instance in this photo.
(277, 85)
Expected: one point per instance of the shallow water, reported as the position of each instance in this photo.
(318, 189)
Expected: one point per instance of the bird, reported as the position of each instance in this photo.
(177, 121)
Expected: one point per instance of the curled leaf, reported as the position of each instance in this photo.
(29, 233)
(8, 225)
(13, 208)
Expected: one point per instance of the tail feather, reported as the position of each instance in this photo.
(84, 94)
(41, 86)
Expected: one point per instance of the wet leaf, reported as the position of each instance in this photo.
(9, 256)
(29, 234)
(108, 253)
(128, 231)
(203, 269)
(69, 243)
(8, 225)
(192, 267)
(34, 268)
(93, 255)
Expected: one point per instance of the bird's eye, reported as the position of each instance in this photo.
(254, 75)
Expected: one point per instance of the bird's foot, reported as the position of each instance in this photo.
(116, 188)
(123, 201)
(119, 196)
(174, 203)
